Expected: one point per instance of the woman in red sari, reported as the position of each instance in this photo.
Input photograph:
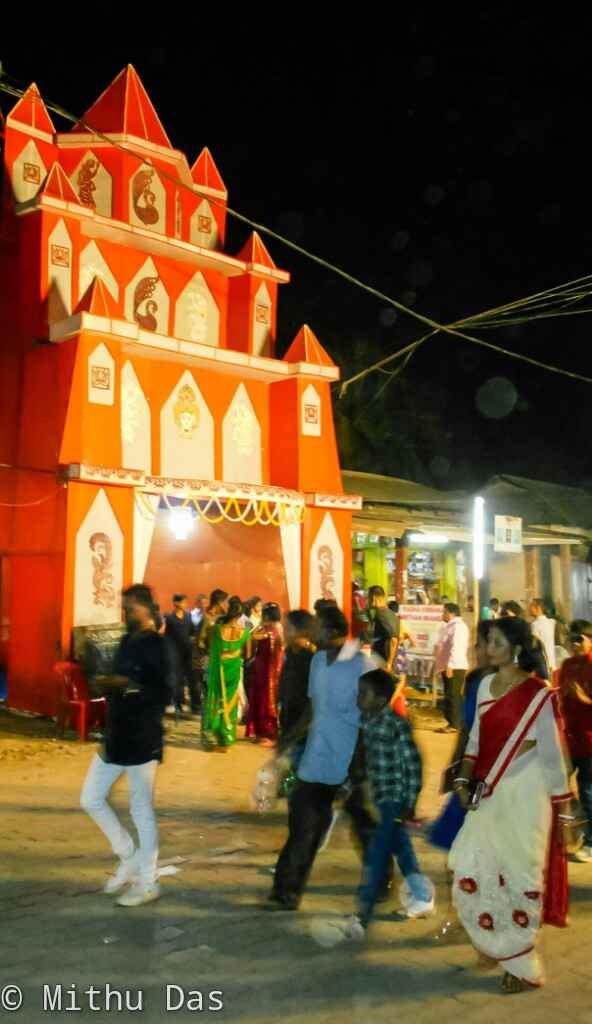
(262, 719)
(508, 859)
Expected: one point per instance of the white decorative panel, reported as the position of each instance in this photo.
(292, 552)
(310, 412)
(93, 264)
(197, 317)
(186, 433)
(262, 323)
(145, 513)
(326, 564)
(28, 173)
(136, 433)
(98, 570)
(147, 197)
(146, 301)
(59, 274)
(101, 377)
(93, 184)
(241, 440)
(203, 227)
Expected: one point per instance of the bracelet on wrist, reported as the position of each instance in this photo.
(460, 781)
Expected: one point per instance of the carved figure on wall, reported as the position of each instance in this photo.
(186, 412)
(131, 399)
(86, 185)
(327, 572)
(102, 560)
(243, 429)
(32, 173)
(144, 199)
(143, 292)
(197, 316)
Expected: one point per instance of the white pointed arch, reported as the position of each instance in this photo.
(241, 441)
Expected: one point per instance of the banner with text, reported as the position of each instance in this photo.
(423, 623)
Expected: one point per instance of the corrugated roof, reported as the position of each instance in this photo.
(393, 491)
(538, 502)
(542, 506)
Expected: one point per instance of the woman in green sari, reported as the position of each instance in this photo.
(225, 678)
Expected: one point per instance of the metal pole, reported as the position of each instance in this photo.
(478, 555)
(476, 606)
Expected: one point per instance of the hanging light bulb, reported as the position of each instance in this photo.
(181, 522)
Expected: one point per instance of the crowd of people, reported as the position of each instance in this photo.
(333, 709)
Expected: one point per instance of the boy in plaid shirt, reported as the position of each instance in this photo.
(394, 770)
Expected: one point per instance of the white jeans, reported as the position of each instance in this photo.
(93, 799)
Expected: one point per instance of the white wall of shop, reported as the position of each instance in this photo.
(507, 576)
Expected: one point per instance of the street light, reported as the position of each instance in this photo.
(478, 551)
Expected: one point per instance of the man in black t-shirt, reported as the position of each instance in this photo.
(293, 697)
(137, 694)
(385, 627)
(179, 631)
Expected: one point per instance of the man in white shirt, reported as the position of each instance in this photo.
(544, 628)
(197, 612)
(452, 661)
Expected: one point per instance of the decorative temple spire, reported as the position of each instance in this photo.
(96, 300)
(32, 112)
(58, 185)
(254, 251)
(205, 172)
(306, 348)
(125, 108)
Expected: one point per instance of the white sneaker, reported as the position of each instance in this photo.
(354, 929)
(413, 907)
(419, 908)
(126, 873)
(138, 894)
(584, 854)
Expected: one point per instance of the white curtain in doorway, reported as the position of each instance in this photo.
(292, 552)
(145, 512)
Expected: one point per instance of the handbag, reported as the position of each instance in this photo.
(448, 776)
(573, 832)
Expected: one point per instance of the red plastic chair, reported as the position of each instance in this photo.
(76, 707)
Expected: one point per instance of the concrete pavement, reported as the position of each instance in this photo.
(207, 934)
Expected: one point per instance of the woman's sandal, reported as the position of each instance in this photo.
(511, 985)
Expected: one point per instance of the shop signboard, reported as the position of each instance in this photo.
(423, 623)
(508, 534)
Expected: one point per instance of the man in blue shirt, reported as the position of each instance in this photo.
(330, 746)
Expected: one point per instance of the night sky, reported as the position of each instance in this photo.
(452, 182)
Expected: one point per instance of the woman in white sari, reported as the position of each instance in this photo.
(508, 860)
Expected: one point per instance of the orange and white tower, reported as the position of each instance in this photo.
(141, 389)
